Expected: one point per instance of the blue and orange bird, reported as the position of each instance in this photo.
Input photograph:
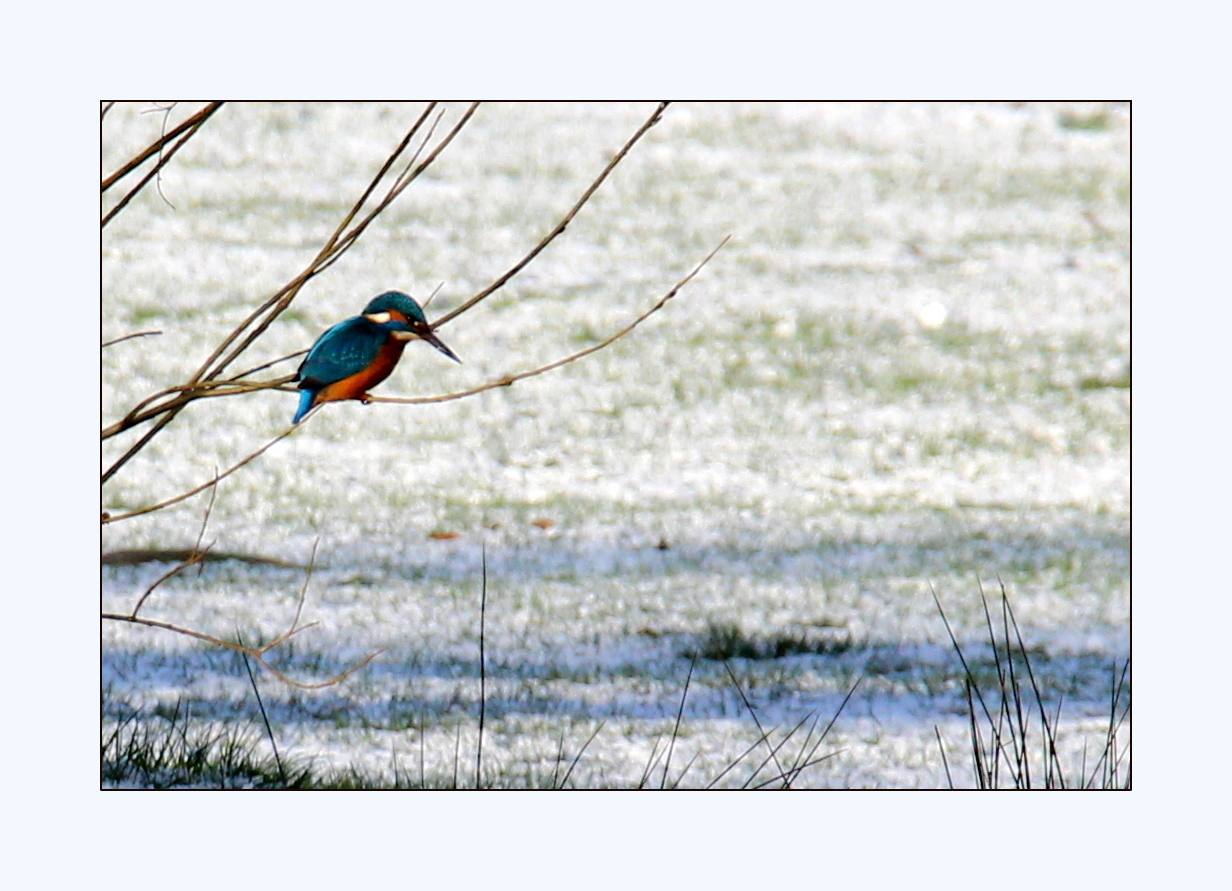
(359, 353)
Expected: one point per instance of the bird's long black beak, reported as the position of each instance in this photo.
(439, 344)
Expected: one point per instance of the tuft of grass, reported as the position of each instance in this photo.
(168, 751)
(724, 641)
(1007, 749)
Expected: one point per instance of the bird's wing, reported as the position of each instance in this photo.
(345, 349)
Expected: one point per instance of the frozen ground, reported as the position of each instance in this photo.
(910, 367)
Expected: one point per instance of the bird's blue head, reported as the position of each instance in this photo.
(396, 301)
(394, 306)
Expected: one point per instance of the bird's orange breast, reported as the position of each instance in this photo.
(358, 384)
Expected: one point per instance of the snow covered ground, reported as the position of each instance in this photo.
(909, 369)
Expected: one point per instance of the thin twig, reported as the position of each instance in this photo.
(184, 394)
(244, 374)
(389, 162)
(129, 337)
(194, 558)
(197, 555)
(158, 179)
(303, 591)
(431, 296)
(205, 522)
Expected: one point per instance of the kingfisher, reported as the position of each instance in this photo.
(359, 353)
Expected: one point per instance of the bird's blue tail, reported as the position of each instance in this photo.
(305, 403)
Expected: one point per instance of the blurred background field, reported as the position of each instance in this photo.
(909, 369)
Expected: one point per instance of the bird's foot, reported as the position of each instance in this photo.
(365, 398)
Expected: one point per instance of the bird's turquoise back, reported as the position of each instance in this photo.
(345, 349)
